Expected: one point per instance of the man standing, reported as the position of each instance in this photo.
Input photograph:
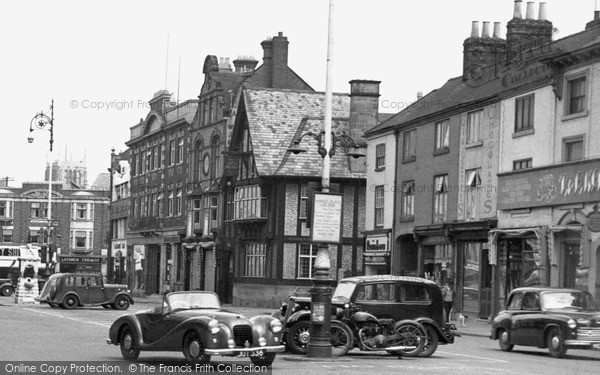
(448, 296)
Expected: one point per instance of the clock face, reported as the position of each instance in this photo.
(206, 163)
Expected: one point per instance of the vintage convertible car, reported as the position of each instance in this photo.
(195, 323)
(557, 319)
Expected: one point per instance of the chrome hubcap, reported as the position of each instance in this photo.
(127, 341)
(504, 337)
(555, 342)
(195, 348)
(304, 337)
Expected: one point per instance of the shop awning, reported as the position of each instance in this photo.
(495, 233)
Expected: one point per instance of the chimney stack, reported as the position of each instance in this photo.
(497, 30)
(529, 14)
(517, 14)
(542, 14)
(363, 114)
(245, 65)
(485, 33)
(475, 29)
(275, 60)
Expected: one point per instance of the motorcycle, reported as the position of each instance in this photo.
(368, 333)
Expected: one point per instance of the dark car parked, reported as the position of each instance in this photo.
(557, 319)
(70, 290)
(384, 296)
(195, 323)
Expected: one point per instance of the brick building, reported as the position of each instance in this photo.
(77, 240)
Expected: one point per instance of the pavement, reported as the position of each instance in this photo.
(472, 327)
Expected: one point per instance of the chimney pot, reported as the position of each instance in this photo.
(517, 13)
(280, 33)
(497, 27)
(419, 95)
(485, 33)
(542, 13)
(475, 29)
(529, 14)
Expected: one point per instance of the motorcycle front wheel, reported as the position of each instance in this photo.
(342, 339)
(409, 333)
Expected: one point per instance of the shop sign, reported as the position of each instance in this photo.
(561, 184)
(377, 243)
(78, 260)
(593, 222)
(375, 259)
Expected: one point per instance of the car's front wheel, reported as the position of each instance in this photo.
(298, 337)
(505, 345)
(266, 360)
(121, 303)
(556, 344)
(193, 349)
(432, 342)
(71, 301)
(6, 290)
(128, 344)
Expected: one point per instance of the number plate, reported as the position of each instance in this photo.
(255, 353)
(596, 346)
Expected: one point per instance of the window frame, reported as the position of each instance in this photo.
(442, 136)
(567, 142)
(440, 191)
(302, 258)
(472, 189)
(568, 97)
(378, 206)
(255, 261)
(525, 107)
(473, 129)
(409, 145)
(380, 156)
(528, 164)
(404, 214)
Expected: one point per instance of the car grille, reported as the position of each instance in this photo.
(588, 333)
(241, 334)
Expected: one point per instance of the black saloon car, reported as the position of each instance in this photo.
(195, 323)
(70, 290)
(385, 297)
(556, 319)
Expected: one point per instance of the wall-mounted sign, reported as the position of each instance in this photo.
(593, 222)
(377, 243)
(556, 185)
(327, 218)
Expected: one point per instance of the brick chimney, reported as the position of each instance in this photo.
(521, 30)
(595, 22)
(245, 65)
(483, 52)
(275, 60)
(364, 97)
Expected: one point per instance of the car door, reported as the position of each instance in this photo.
(414, 300)
(518, 319)
(158, 323)
(80, 288)
(531, 324)
(95, 290)
(377, 298)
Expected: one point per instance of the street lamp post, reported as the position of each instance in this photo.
(42, 121)
(327, 142)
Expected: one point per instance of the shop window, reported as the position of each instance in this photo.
(439, 263)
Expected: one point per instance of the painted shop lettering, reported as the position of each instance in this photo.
(581, 183)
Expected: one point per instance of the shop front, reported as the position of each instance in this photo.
(549, 228)
(84, 264)
(437, 259)
(377, 254)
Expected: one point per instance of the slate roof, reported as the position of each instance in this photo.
(457, 93)
(276, 117)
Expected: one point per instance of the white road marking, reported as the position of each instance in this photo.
(474, 356)
(69, 318)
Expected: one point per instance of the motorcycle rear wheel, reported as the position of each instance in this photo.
(412, 334)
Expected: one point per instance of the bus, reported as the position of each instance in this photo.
(9, 266)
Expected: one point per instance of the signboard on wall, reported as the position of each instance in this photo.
(327, 218)
(378, 243)
(561, 184)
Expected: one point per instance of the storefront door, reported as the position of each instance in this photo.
(475, 288)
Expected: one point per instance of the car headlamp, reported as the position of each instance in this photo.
(572, 324)
(276, 326)
(214, 327)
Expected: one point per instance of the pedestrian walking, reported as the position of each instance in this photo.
(448, 295)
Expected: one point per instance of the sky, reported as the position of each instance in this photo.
(102, 61)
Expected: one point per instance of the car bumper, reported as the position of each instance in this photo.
(249, 351)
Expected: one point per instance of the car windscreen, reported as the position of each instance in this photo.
(187, 301)
(568, 300)
(344, 290)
